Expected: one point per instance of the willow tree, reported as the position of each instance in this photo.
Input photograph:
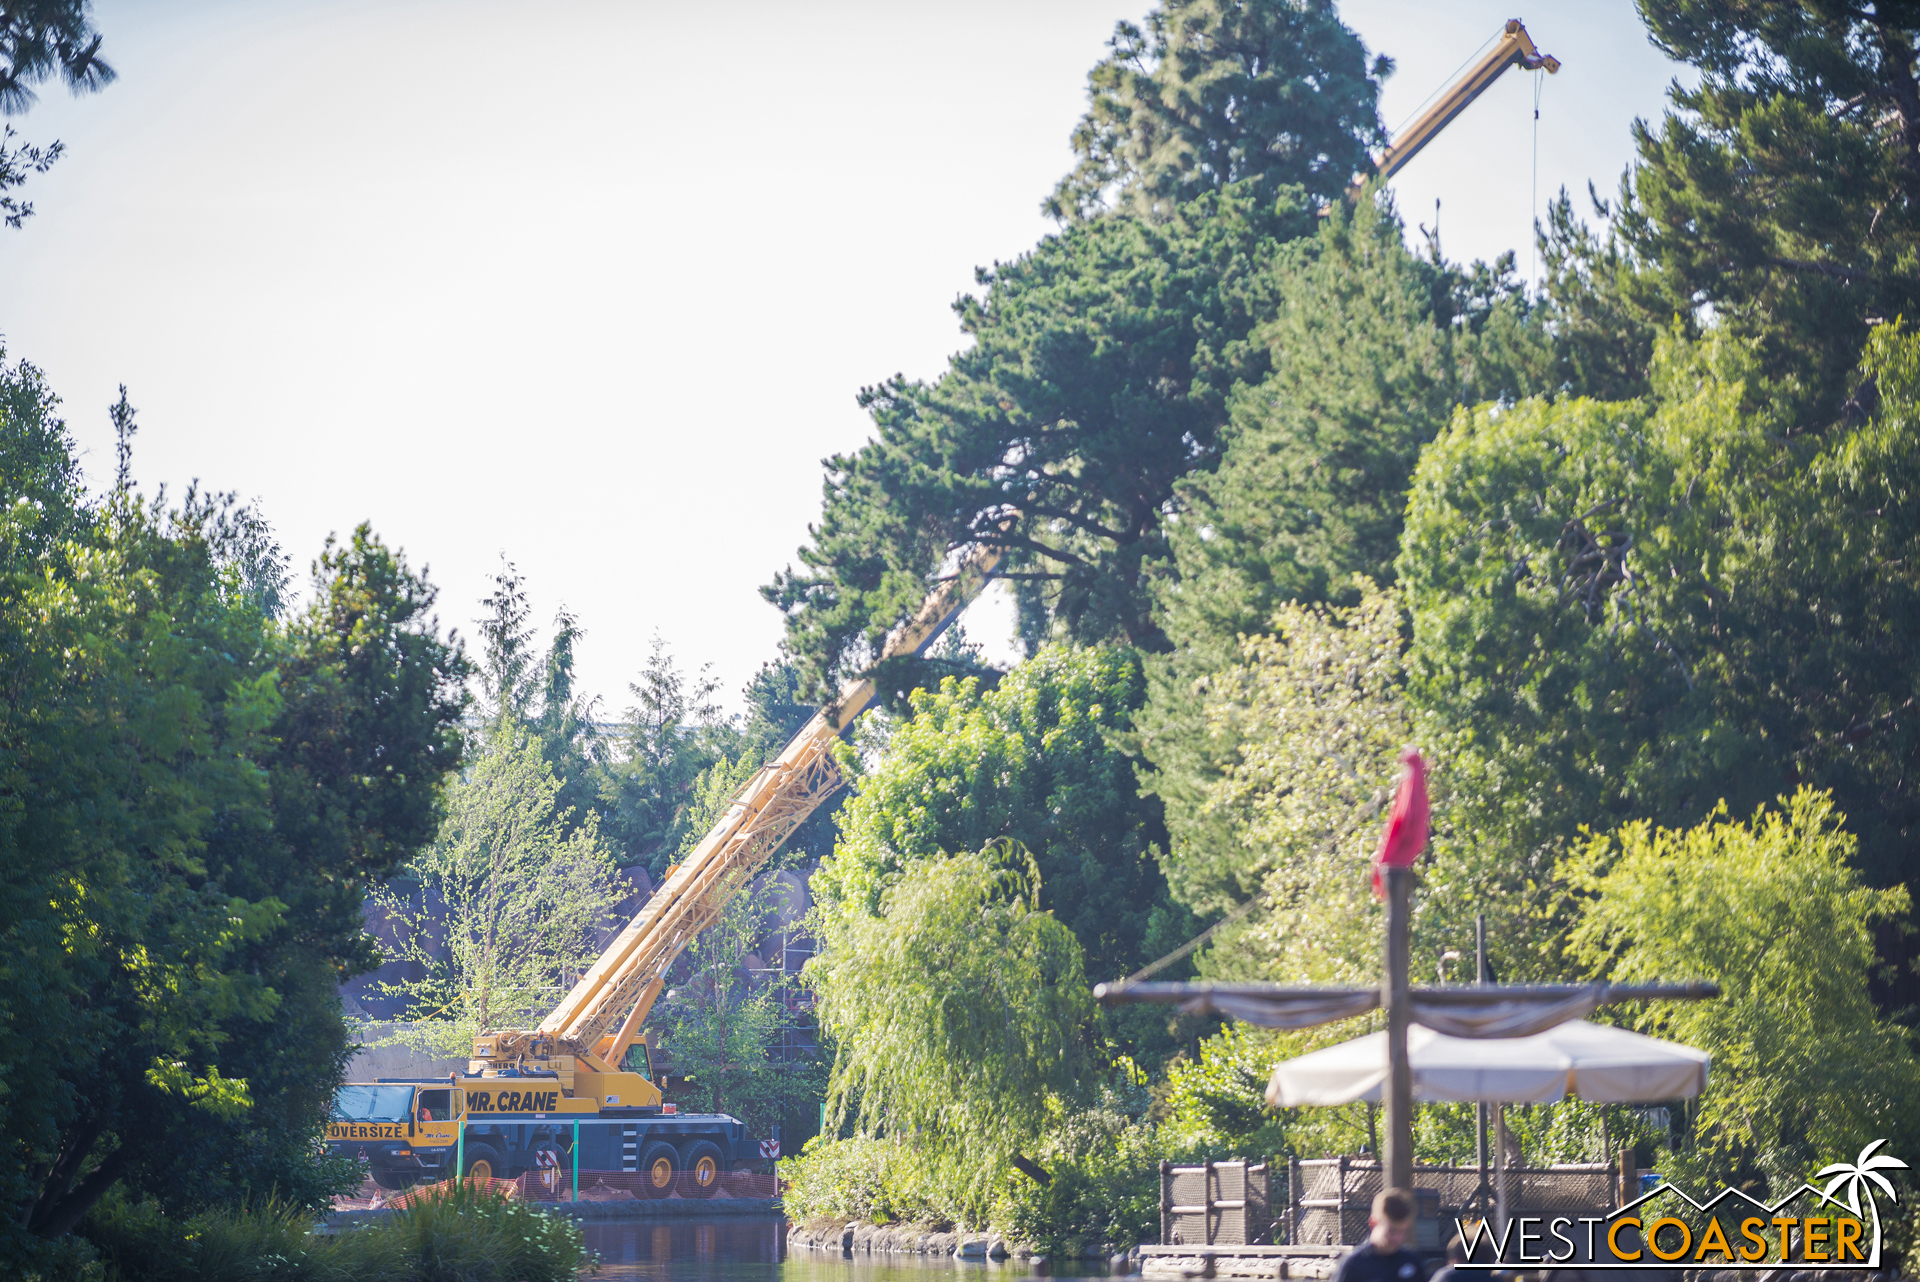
(960, 1014)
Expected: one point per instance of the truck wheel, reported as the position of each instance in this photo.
(702, 1169)
(485, 1161)
(393, 1180)
(659, 1164)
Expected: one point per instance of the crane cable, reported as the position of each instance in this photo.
(1445, 85)
(1533, 230)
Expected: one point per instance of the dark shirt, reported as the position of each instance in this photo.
(1368, 1263)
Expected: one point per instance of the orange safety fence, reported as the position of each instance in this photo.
(556, 1185)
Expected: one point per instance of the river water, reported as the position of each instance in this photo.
(755, 1250)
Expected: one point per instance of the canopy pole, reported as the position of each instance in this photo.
(1481, 977)
(1399, 1144)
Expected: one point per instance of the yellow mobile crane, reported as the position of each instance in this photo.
(528, 1094)
(583, 1080)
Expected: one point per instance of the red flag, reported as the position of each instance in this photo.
(1406, 833)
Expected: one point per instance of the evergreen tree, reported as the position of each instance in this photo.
(41, 40)
(649, 785)
(1277, 93)
(1780, 198)
(1097, 379)
(1371, 350)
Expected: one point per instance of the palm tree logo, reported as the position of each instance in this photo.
(1855, 1177)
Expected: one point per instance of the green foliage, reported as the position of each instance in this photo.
(674, 733)
(1036, 760)
(1104, 1190)
(1215, 1102)
(1096, 378)
(1319, 718)
(506, 907)
(1638, 609)
(198, 798)
(1214, 92)
(959, 1012)
(1371, 349)
(882, 1179)
(460, 1234)
(1103, 1185)
(1805, 1070)
(723, 1025)
(41, 40)
(1781, 191)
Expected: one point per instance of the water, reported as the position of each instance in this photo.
(755, 1250)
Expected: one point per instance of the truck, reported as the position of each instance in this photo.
(578, 1091)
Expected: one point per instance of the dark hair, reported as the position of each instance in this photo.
(1457, 1250)
(1395, 1206)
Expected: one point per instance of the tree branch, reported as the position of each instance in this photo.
(1030, 1169)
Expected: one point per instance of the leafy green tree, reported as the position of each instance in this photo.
(724, 1027)
(1097, 378)
(1319, 711)
(960, 1015)
(1805, 1070)
(1038, 760)
(511, 898)
(199, 797)
(1636, 609)
(1214, 92)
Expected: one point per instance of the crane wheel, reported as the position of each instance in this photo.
(702, 1170)
(659, 1169)
(484, 1160)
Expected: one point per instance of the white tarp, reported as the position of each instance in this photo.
(1591, 1061)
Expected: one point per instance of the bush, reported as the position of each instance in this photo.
(880, 1180)
(1110, 1194)
(462, 1234)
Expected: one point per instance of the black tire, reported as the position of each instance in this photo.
(393, 1181)
(659, 1169)
(484, 1159)
(702, 1168)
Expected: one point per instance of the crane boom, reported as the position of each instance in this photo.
(591, 1029)
(601, 1016)
(1514, 48)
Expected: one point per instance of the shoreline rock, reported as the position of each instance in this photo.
(862, 1238)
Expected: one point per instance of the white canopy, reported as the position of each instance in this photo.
(1591, 1061)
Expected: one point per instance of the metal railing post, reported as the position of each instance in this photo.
(1294, 1209)
(1206, 1200)
(1166, 1200)
(1340, 1199)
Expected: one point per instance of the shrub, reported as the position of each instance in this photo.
(1109, 1194)
(881, 1180)
(462, 1234)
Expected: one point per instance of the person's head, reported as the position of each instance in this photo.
(1392, 1219)
(1457, 1250)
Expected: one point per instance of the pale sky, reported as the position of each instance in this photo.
(594, 285)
